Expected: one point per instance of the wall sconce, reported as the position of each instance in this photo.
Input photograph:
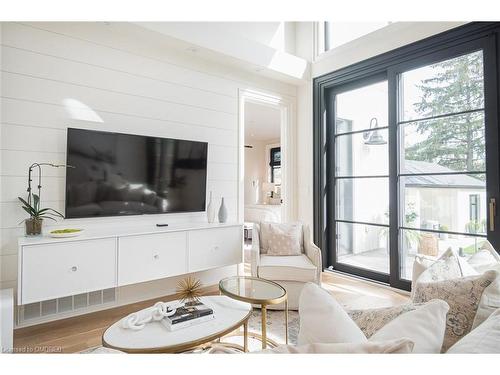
(373, 137)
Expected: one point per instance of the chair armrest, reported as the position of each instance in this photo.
(255, 253)
(313, 252)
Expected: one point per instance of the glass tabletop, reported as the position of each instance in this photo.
(252, 289)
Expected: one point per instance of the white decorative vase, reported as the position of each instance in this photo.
(222, 212)
(210, 210)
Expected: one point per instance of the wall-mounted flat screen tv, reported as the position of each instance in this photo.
(122, 174)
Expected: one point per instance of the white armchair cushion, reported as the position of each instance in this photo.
(287, 268)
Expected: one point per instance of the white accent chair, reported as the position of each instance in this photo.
(291, 272)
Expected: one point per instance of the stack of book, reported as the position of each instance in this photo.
(187, 315)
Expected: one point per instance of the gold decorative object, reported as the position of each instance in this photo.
(189, 289)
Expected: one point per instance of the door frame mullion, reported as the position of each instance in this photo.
(491, 58)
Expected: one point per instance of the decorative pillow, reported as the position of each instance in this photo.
(372, 320)
(282, 239)
(421, 263)
(485, 339)
(462, 295)
(323, 319)
(449, 266)
(424, 326)
(401, 346)
(485, 259)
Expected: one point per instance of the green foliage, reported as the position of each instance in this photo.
(456, 142)
(38, 213)
(475, 226)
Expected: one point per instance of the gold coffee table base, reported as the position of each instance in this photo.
(242, 288)
(242, 348)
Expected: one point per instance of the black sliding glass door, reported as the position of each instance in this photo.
(410, 163)
(442, 159)
(361, 178)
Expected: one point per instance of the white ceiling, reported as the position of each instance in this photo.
(262, 123)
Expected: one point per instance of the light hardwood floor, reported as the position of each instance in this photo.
(79, 333)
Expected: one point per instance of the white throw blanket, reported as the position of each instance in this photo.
(138, 320)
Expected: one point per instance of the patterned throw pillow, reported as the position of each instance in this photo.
(283, 239)
(371, 320)
(463, 296)
(449, 266)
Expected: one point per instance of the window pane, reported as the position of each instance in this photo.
(363, 199)
(276, 155)
(356, 108)
(455, 203)
(364, 246)
(449, 144)
(449, 86)
(277, 175)
(362, 154)
(338, 33)
(433, 244)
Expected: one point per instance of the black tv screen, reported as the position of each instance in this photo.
(121, 174)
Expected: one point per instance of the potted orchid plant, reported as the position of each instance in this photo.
(34, 223)
(32, 205)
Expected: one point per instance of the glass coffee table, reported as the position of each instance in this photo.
(256, 291)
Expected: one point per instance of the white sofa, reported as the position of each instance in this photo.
(291, 272)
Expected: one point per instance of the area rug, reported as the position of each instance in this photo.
(275, 324)
(275, 331)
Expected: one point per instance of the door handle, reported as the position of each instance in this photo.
(492, 207)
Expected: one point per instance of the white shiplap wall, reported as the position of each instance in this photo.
(113, 77)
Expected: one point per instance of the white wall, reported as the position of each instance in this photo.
(388, 38)
(113, 77)
(304, 49)
(255, 172)
(278, 35)
(266, 47)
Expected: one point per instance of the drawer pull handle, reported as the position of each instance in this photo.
(156, 256)
(74, 268)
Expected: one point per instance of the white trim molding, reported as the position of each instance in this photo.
(287, 107)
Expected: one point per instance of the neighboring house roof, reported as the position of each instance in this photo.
(446, 180)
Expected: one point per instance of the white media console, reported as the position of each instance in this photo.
(51, 268)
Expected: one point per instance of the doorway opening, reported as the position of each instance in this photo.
(265, 180)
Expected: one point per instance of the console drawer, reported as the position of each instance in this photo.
(210, 248)
(67, 268)
(151, 257)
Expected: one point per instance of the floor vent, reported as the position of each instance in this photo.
(78, 302)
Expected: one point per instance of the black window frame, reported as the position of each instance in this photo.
(465, 39)
(474, 207)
